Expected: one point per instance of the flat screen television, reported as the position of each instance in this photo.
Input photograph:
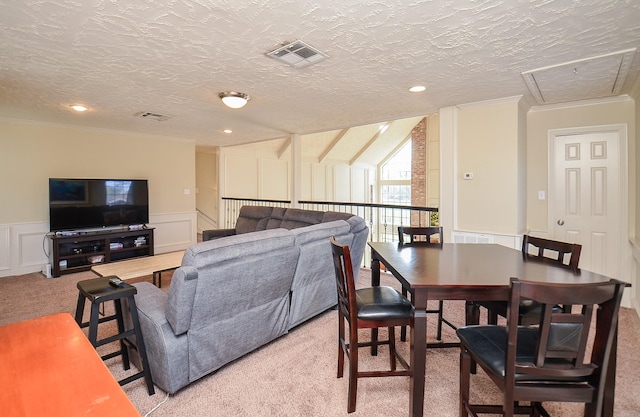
(76, 204)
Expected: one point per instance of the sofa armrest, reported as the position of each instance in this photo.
(217, 233)
(168, 354)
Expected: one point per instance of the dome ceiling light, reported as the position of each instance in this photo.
(234, 99)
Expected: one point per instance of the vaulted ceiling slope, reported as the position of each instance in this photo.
(173, 57)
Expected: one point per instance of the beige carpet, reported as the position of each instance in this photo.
(296, 374)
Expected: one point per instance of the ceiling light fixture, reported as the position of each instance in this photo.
(79, 107)
(234, 99)
(227, 131)
(418, 89)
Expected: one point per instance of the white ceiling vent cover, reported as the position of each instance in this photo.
(297, 54)
(153, 116)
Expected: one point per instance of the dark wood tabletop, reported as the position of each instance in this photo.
(464, 265)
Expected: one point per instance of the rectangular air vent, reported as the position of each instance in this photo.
(297, 54)
(153, 116)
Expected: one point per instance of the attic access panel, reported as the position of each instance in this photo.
(599, 76)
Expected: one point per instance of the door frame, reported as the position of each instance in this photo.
(624, 258)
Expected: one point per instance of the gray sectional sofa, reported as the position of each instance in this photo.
(236, 293)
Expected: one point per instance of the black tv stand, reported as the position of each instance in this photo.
(78, 251)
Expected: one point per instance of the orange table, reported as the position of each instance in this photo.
(49, 368)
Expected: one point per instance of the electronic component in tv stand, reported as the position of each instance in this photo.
(79, 252)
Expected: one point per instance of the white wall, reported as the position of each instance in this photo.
(470, 143)
(260, 171)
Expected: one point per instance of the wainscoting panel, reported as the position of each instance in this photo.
(514, 242)
(5, 249)
(174, 231)
(466, 237)
(22, 248)
(25, 248)
(32, 245)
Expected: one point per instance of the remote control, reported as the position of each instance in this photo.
(116, 282)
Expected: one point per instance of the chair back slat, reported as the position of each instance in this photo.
(420, 235)
(551, 251)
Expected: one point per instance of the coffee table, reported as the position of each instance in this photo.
(140, 267)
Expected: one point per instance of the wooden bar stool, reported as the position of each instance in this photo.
(99, 291)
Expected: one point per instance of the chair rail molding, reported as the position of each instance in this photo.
(25, 247)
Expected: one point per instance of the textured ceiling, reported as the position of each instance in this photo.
(173, 57)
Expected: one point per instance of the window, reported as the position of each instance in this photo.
(395, 189)
(395, 178)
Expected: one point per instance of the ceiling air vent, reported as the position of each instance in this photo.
(153, 116)
(297, 54)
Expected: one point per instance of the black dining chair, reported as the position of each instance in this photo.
(424, 236)
(366, 308)
(551, 361)
(536, 249)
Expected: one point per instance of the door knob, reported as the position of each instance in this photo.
(560, 222)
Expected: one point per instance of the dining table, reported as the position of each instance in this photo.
(470, 272)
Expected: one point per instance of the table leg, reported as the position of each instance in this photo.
(472, 313)
(418, 353)
(375, 272)
(375, 282)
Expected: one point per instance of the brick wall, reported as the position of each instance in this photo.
(419, 166)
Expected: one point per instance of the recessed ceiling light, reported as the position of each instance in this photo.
(228, 131)
(79, 107)
(417, 88)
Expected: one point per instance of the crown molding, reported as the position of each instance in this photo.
(582, 103)
(492, 102)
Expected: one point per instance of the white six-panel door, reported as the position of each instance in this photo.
(586, 197)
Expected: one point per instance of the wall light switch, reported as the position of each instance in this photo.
(467, 175)
(187, 191)
(541, 195)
